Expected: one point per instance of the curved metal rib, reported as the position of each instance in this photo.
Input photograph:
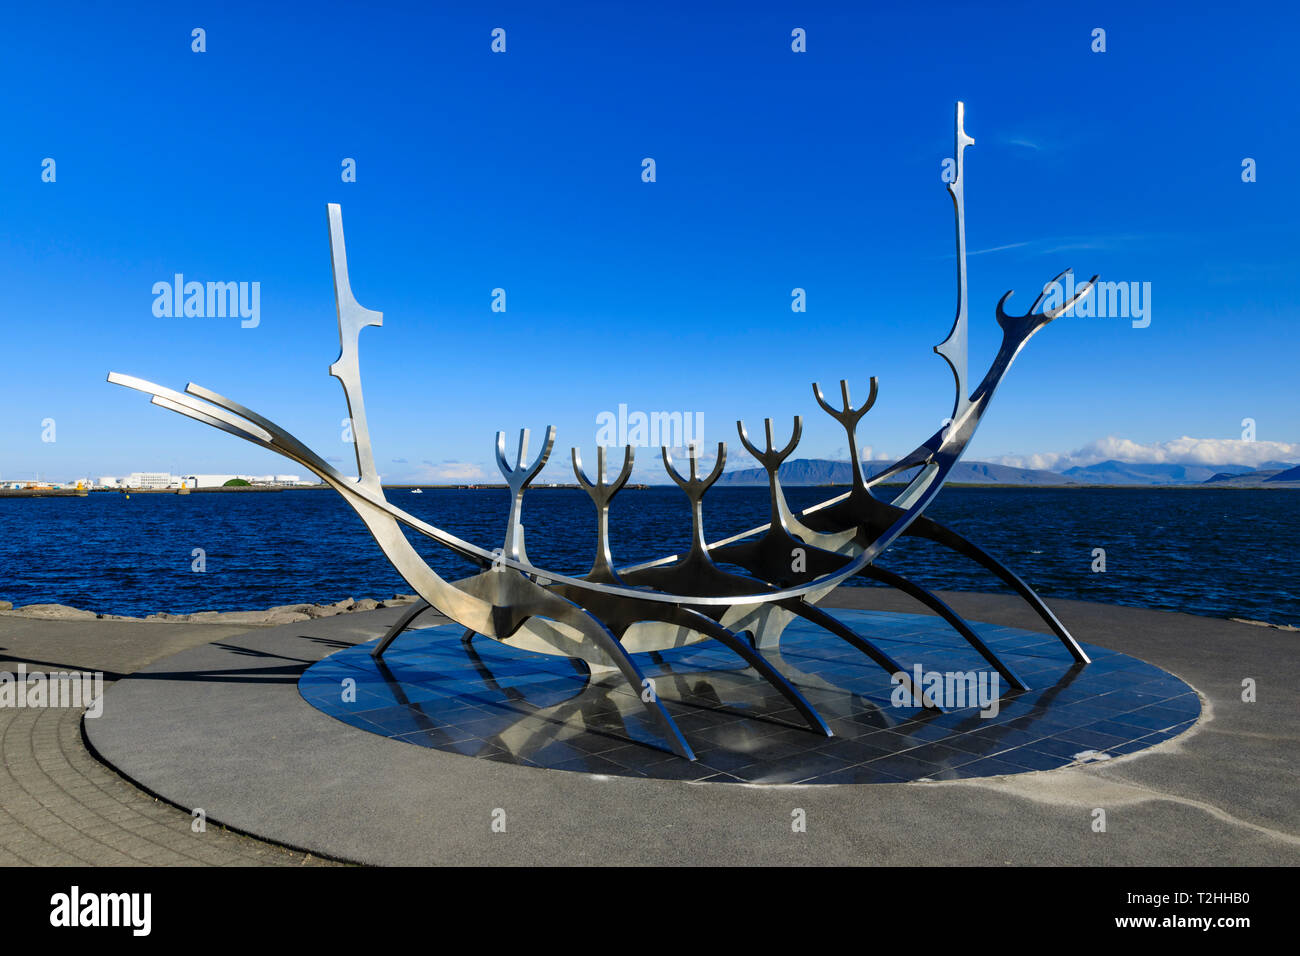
(515, 600)
(841, 630)
(700, 622)
(637, 679)
(936, 604)
(930, 529)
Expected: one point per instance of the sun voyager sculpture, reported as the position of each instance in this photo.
(611, 613)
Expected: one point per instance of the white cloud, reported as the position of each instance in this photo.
(1179, 451)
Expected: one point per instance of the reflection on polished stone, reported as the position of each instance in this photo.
(493, 702)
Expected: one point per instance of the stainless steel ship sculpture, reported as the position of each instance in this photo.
(603, 618)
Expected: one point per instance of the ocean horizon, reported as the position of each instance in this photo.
(1219, 553)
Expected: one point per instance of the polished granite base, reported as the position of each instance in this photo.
(488, 701)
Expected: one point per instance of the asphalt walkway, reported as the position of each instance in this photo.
(204, 726)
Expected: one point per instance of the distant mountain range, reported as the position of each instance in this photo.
(1271, 474)
(1125, 473)
(821, 471)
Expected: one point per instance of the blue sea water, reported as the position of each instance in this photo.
(1221, 553)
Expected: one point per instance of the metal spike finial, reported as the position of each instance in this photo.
(954, 348)
(695, 487)
(771, 458)
(518, 477)
(848, 417)
(601, 494)
(347, 367)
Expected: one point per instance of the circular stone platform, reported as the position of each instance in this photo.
(489, 701)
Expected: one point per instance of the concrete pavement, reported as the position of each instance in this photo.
(222, 726)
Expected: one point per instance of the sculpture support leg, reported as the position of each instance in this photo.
(757, 661)
(840, 630)
(932, 601)
(927, 528)
(605, 640)
(403, 622)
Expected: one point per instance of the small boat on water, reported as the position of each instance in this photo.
(417, 491)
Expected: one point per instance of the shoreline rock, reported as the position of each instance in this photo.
(280, 614)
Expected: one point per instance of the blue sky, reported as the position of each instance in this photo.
(522, 170)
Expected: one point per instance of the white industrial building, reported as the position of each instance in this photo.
(161, 480)
(147, 480)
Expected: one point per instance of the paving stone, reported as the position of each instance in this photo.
(59, 806)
